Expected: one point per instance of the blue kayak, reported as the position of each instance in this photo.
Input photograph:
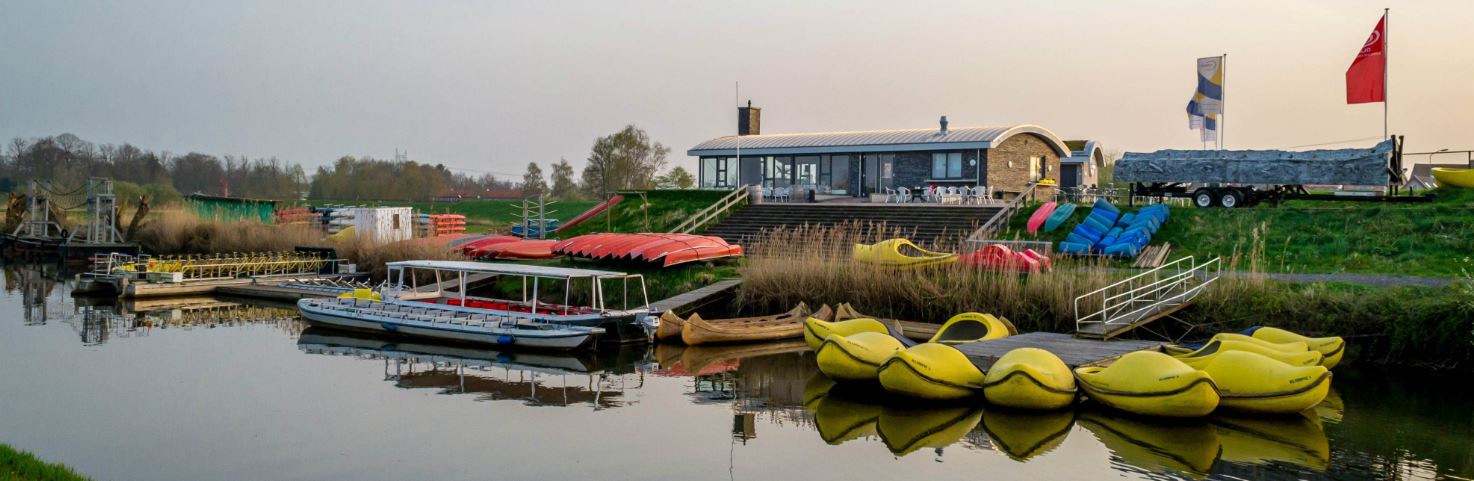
(1058, 218)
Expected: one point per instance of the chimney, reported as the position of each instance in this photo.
(944, 125)
(749, 120)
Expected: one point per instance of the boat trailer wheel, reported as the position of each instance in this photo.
(1203, 198)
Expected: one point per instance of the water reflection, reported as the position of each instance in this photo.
(595, 379)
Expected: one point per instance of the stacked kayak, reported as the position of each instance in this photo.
(1040, 216)
(664, 249)
(899, 253)
(1106, 231)
(517, 249)
(477, 248)
(998, 257)
(434, 225)
(1060, 215)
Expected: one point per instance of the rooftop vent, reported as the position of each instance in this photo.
(944, 125)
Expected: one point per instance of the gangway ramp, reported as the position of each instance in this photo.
(1143, 298)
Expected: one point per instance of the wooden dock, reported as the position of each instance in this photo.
(275, 293)
(1074, 351)
(683, 304)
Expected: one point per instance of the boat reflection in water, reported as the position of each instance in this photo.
(598, 378)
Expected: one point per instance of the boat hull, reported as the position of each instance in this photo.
(1151, 384)
(931, 371)
(857, 357)
(382, 325)
(1030, 378)
(1454, 177)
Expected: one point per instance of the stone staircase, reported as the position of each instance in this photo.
(922, 223)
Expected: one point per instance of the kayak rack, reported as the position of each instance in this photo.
(1143, 298)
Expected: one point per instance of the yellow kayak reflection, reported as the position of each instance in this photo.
(1188, 446)
(1022, 435)
(907, 429)
(1251, 439)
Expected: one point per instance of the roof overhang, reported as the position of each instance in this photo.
(813, 143)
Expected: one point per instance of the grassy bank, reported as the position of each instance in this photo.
(481, 214)
(1424, 239)
(650, 211)
(16, 465)
(1401, 325)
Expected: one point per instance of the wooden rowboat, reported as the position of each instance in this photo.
(697, 331)
(669, 330)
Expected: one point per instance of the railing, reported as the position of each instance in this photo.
(1147, 294)
(721, 206)
(991, 226)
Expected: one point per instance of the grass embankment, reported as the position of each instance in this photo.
(654, 211)
(1421, 239)
(1403, 325)
(16, 465)
(496, 215)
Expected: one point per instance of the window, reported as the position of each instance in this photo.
(1034, 170)
(396, 221)
(709, 177)
(808, 169)
(838, 174)
(946, 165)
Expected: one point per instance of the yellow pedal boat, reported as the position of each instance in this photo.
(816, 329)
(1030, 378)
(931, 370)
(856, 357)
(1251, 382)
(1150, 383)
(1210, 351)
(1330, 348)
(973, 327)
(900, 253)
(1454, 177)
(905, 430)
(1291, 347)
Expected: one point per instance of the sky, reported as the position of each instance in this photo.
(490, 86)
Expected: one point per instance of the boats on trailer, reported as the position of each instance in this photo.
(607, 305)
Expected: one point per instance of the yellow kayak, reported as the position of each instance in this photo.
(973, 327)
(1210, 351)
(1252, 439)
(1156, 445)
(1152, 384)
(932, 371)
(905, 430)
(899, 253)
(1330, 348)
(1454, 177)
(1023, 435)
(856, 357)
(815, 329)
(1291, 347)
(1251, 382)
(1029, 378)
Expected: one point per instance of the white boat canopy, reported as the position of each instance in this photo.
(404, 286)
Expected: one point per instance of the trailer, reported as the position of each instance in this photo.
(1241, 178)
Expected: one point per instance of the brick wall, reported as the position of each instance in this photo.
(1018, 149)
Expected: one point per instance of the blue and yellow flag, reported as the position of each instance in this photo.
(1207, 100)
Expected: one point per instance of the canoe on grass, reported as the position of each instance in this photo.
(1040, 215)
(1059, 217)
(697, 331)
(1452, 177)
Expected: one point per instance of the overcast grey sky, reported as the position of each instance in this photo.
(490, 86)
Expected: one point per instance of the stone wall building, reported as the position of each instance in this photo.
(863, 163)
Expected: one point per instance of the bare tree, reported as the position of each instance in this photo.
(625, 160)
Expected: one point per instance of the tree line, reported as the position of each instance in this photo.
(625, 160)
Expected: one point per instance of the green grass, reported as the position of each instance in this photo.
(482, 214)
(1422, 239)
(16, 465)
(656, 211)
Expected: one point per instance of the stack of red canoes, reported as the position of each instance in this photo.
(665, 249)
(292, 216)
(998, 257)
(478, 247)
(444, 224)
(509, 247)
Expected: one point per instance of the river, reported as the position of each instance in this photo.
(219, 389)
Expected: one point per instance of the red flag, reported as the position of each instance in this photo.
(1366, 80)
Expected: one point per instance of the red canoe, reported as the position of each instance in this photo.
(998, 257)
(665, 249)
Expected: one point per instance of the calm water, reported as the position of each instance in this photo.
(223, 390)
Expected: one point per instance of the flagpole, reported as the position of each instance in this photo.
(1386, 64)
(1222, 99)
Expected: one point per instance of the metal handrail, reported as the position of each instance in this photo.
(1139, 298)
(703, 216)
(991, 226)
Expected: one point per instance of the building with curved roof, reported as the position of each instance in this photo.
(1082, 167)
(864, 163)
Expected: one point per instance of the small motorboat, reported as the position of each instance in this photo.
(907, 429)
(973, 327)
(1251, 382)
(856, 357)
(445, 324)
(1030, 378)
(1330, 348)
(1150, 383)
(1198, 358)
(1454, 177)
(899, 253)
(1061, 215)
(931, 370)
(696, 331)
(1024, 435)
(1040, 215)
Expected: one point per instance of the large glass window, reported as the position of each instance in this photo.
(837, 177)
(777, 171)
(709, 172)
(946, 165)
(719, 172)
(1034, 169)
(808, 169)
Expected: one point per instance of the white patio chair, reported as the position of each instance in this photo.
(903, 195)
(890, 194)
(972, 195)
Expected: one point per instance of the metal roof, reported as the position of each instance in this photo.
(1085, 152)
(874, 141)
(502, 268)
